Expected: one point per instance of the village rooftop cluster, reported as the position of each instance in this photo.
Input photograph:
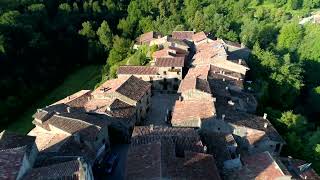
(209, 132)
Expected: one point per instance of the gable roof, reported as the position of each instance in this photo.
(170, 62)
(147, 37)
(259, 166)
(182, 35)
(137, 70)
(199, 37)
(200, 72)
(131, 87)
(201, 110)
(194, 83)
(77, 99)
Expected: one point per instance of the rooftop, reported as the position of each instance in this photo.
(259, 166)
(11, 161)
(65, 170)
(131, 87)
(170, 62)
(300, 169)
(138, 70)
(200, 72)
(182, 35)
(192, 83)
(199, 37)
(201, 110)
(147, 37)
(158, 160)
(9, 140)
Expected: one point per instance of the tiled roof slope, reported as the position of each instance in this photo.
(185, 138)
(11, 161)
(170, 62)
(182, 35)
(199, 37)
(65, 170)
(186, 111)
(158, 160)
(131, 87)
(138, 70)
(9, 140)
(194, 84)
(258, 166)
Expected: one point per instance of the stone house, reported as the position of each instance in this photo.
(131, 90)
(195, 89)
(58, 130)
(146, 38)
(192, 113)
(17, 155)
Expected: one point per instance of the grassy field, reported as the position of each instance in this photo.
(85, 78)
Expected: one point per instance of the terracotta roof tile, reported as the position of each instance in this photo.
(200, 72)
(293, 167)
(147, 37)
(77, 99)
(138, 70)
(199, 37)
(182, 35)
(189, 113)
(192, 83)
(131, 87)
(185, 138)
(259, 166)
(170, 62)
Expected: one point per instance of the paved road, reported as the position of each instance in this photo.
(159, 105)
(119, 172)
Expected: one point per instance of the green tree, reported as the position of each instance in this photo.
(105, 35)
(294, 4)
(290, 36)
(75, 7)
(9, 18)
(37, 8)
(119, 50)
(65, 8)
(198, 21)
(294, 122)
(96, 7)
(87, 30)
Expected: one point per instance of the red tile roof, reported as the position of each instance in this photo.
(199, 37)
(260, 166)
(193, 83)
(182, 35)
(201, 72)
(189, 112)
(9, 140)
(147, 37)
(131, 87)
(170, 62)
(138, 70)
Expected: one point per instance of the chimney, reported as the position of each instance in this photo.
(69, 97)
(89, 98)
(240, 61)
(231, 102)
(224, 79)
(223, 116)
(265, 125)
(151, 127)
(265, 116)
(227, 88)
(68, 109)
(180, 98)
(205, 149)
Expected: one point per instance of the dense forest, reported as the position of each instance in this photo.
(41, 42)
